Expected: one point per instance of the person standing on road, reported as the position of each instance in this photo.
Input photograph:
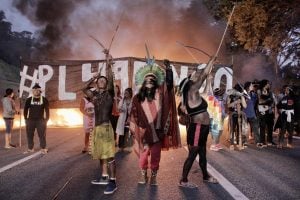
(286, 108)
(198, 130)
(36, 115)
(122, 129)
(153, 120)
(103, 142)
(217, 116)
(236, 104)
(250, 111)
(9, 111)
(266, 103)
(87, 109)
(115, 111)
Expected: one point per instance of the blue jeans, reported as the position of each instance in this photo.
(253, 122)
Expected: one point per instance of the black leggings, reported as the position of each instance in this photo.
(194, 151)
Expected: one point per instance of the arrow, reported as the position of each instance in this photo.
(98, 42)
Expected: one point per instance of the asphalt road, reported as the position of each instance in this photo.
(65, 173)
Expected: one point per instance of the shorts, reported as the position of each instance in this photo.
(9, 123)
(103, 142)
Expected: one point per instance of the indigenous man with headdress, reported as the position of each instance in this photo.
(103, 142)
(198, 129)
(153, 118)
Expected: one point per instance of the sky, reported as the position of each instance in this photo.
(65, 27)
(19, 21)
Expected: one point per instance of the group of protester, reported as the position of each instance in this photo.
(254, 105)
(36, 115)
(151, 117)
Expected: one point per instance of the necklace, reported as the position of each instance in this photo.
(37, 103)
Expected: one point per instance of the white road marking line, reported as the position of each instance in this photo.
(229, 187)
(19, 162)
(296, 137)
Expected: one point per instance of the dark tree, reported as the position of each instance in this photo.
(14, 45)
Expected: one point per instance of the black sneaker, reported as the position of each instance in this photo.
(111, 187)
(84, 151)
(102, 181)
(12, 145)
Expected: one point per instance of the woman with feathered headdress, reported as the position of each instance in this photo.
(153, 119)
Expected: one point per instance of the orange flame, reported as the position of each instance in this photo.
(67, 117)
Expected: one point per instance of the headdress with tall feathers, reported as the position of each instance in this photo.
(150, 69)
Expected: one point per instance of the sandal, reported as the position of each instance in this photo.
(187, 185)
(211, 180)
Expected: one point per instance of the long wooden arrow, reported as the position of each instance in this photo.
(98, 42)
(116, 30)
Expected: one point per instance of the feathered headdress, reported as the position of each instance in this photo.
(150, 69)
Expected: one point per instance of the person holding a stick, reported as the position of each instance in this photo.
(235, 103)
(152, 117)
(103, 141)
(198, 129)
(9, 111)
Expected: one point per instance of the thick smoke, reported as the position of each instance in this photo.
(254, 68)
(65, 26)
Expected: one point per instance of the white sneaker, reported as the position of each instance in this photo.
(214, 148)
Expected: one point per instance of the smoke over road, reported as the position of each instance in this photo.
(64, 26)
